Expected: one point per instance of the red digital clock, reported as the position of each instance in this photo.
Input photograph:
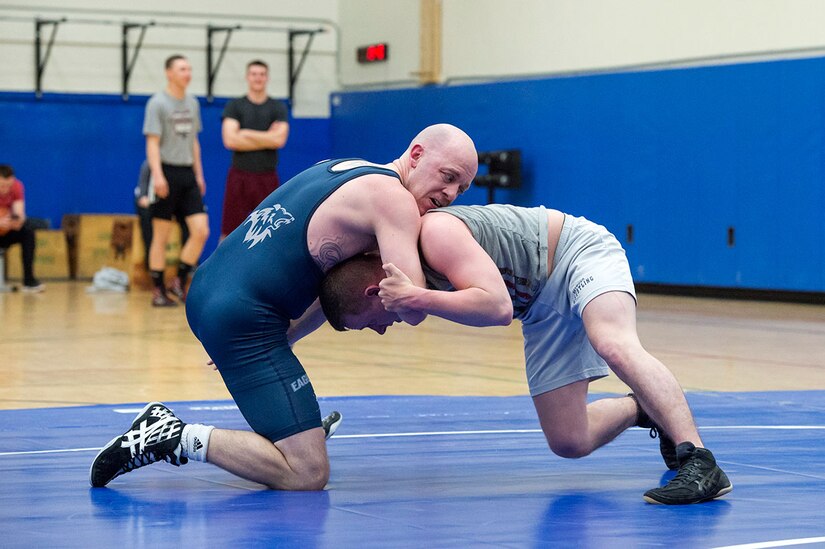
(373, 53)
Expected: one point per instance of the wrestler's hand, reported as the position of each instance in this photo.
(398, 295)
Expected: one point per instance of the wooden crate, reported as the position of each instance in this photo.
(51, 257)
(101, 240)
(70, 225)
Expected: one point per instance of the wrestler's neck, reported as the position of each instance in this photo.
(398, 167)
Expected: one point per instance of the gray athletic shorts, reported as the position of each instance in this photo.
(589, 261)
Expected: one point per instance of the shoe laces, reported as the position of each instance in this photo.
(654, 432)
(688, 472)
(140, 460)
(150, 457)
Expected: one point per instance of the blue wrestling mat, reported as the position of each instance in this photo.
(423, 472)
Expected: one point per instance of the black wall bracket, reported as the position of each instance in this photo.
(128, 64)
(212, 68)
(295, 71)
(41, 58)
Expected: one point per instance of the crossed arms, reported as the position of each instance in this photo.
(237, 139)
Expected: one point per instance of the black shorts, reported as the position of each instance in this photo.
(184, 198)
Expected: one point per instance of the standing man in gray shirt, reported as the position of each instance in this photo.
(254, 127)
(171, 125)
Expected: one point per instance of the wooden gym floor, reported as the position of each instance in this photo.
(68, 347)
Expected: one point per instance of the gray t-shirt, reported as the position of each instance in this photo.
(177, 122)
(515, 238)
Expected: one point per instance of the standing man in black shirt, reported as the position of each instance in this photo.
(254, 127)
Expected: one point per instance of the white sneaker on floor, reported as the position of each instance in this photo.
(35, 288)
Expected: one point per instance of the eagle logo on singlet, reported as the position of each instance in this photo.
(262, 223)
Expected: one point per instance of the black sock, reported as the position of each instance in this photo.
(183, 271)
(157, 280)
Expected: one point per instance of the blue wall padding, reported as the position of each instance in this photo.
(81, 153)
(681, 155)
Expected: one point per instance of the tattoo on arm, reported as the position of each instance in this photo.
(330, 253)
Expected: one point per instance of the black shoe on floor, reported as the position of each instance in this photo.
(154, 436)
(666, 445)
(331, 423)
(699, 479)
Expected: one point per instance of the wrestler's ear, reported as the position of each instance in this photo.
(372, 290)
(415, 154)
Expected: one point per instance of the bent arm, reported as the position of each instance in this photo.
(273, 138)
(397, 225)
(15, 219)
(481, 297)
(18, 210)
(237, 139)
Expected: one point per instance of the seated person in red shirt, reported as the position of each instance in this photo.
(13, 228)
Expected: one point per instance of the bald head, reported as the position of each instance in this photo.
(448, 138)
(439, 164)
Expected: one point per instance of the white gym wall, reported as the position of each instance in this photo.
(480, 40)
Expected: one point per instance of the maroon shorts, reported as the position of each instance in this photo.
(244, 191)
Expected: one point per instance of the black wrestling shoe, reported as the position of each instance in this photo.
(331, 423)
(699, 479)
(666, 445)
(154, 436)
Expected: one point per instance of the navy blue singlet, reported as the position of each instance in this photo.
(243, 296)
